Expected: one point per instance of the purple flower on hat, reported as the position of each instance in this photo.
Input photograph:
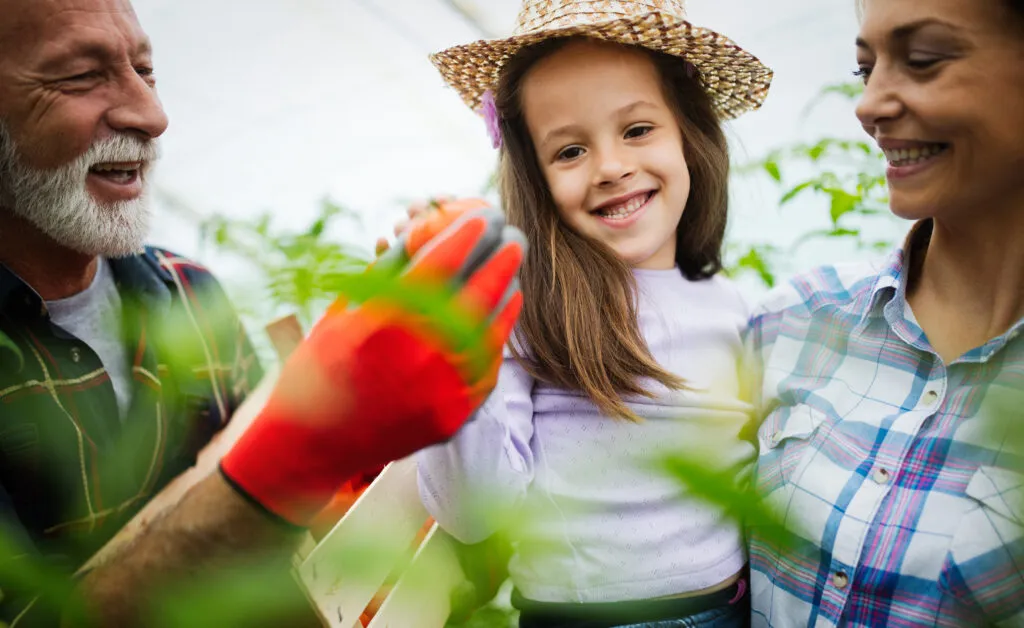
(489, 109)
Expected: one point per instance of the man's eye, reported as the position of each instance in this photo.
(84, 76)
(638, 131)
(863, 72)
(147, 75)
(570, 153)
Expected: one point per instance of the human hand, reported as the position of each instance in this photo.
(377, 382)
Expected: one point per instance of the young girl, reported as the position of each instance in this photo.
(614, 164)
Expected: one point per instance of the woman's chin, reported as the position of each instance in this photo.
(912, 207)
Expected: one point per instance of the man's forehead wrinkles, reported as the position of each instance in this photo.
(94, 33)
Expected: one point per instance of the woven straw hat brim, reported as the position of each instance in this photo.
(736, 80)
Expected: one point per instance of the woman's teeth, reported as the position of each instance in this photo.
(625, 209)
(909, 156)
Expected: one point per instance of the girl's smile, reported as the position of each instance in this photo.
(624, 211)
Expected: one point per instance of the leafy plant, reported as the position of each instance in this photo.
(293, 267)
(847, 178)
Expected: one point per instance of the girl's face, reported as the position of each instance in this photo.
(944, 94)
(610, 148)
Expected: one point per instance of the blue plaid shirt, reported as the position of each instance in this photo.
(899, 475)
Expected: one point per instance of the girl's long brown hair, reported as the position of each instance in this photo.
(579, 320)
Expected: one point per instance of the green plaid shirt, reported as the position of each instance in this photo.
(71, 471)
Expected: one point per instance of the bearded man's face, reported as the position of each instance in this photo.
(79, 122)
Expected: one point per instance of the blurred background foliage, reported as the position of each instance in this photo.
(845, 179)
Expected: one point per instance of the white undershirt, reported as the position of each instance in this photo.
(94, 317)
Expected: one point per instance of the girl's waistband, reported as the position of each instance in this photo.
(610, 614)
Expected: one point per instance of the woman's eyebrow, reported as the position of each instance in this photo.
(904, 32)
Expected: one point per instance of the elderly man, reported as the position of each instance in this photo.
(131, 358)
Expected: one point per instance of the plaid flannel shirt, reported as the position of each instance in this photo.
(899, 475)
(71, 472)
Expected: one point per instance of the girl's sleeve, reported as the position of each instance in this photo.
(472, 483)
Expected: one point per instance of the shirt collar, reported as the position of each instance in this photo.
(890, 286)
(140, 274)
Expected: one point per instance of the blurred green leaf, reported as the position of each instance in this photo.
(792, 193)
(739, 502)
(755, 260)
(9, 345)
(842, 203)
(772, 169)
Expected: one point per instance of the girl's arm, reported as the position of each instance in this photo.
(474, 482)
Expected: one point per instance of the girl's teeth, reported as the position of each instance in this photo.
(909, 156)
(625, 209)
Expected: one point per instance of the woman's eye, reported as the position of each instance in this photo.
(863, 72)
(638, 131)
(569, 153)
(922, 63)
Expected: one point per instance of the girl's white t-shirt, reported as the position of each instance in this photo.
(593, 514)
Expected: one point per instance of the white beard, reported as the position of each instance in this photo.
(57, 202)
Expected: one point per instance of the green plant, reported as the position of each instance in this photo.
(292, 268)
(846, 176)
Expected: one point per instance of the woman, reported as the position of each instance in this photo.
(890, 393)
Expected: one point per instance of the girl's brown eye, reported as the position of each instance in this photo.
(569, 153)
(639, 131)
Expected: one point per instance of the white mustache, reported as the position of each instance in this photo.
(121, 148)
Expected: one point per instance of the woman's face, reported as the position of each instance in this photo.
(945, 100)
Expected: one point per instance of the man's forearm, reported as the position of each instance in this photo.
(211, 528)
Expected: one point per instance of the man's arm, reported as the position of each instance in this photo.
(212, 527)
(371, 384)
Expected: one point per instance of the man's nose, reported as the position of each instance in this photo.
(138, 109)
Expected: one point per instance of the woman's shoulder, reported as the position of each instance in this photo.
(847, 285)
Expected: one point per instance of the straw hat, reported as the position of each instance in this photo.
(735, 79)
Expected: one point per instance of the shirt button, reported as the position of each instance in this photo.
(775, 439)
(840, 579)
(930, 397)
(881, 476)
(76, 354)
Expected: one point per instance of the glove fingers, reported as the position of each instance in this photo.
(490, 284)
(459, 248)
(505, 321)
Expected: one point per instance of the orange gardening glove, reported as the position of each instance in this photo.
(380, 381)
(421, 230)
